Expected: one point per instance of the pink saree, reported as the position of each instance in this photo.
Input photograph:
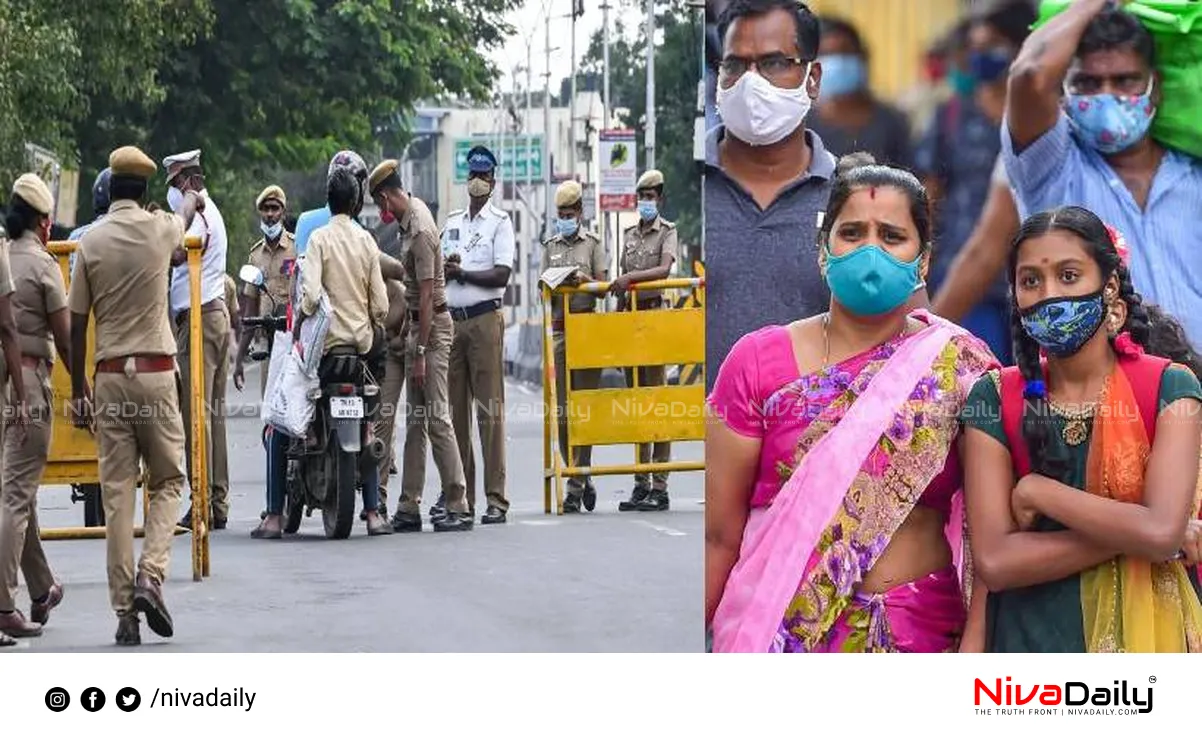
(869, 436)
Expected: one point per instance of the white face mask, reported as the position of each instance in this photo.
(175, 199)
(759, 113)
(271, 231)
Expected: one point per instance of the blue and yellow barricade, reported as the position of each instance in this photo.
(634, 415)
(73, 459)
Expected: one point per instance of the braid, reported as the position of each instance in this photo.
(1038, 427)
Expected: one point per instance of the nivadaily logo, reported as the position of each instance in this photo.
(1071, 698)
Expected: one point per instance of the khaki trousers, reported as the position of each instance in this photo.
(661, 451)
(138, 419)
(428, 415)
(20, 543)
(477, 375)
(390, 402)
(582, 379)
(220, 484)
(216, 327)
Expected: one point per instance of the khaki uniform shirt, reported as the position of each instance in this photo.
(231, 296)
(39, 294)
(422, 254)
(118, 264)
(276, 265)
(6, 274)
(644, 248)
(584, 251)
(397, 324)
(343, 261)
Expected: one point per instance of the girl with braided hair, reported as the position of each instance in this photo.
(1074, 460)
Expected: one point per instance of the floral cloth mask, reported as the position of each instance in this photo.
(1062, 325)
(1111, 123)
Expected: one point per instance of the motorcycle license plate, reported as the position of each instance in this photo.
(346, 407)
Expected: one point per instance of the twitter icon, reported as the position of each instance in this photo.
(128, 699)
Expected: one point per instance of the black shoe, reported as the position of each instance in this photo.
(640, 494)
(454, 522)
(383, 509)
(406, 523)
(571, 504)
(493, 515)
(657, 501)
(589, 497)
(219, 523)
(128, 633)
(148, 599)
(439, 509)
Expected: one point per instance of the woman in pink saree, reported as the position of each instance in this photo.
(833, 510)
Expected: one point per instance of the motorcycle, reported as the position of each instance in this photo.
(323, 470)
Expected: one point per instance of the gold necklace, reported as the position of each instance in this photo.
(1077, 417)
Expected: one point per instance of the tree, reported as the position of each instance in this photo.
(677, 72)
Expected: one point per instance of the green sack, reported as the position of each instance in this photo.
(1176, 26)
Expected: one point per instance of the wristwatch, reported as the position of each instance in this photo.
(421, 350)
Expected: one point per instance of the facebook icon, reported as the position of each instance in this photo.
(92, 699)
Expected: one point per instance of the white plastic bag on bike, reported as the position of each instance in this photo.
(287, 405)
(313, 330)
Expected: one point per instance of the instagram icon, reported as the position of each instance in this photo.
(57, 699)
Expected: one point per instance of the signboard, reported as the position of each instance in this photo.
(45, 164)
(520, 156)
(619, 170)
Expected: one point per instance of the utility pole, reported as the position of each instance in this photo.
(649, 130)
(572, 103)
(549, 198)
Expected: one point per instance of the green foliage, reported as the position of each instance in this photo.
(677, 72)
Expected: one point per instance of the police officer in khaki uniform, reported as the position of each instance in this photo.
(135, 367)
(221, 466)
(648, 251)
(427, 355)
(396, 329)
(39, 307)
(571, 246)
(274, 255)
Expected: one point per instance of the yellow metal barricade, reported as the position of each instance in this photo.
(631, 415)
(73, 459)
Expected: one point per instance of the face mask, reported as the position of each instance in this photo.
(271, 231)
(1062, 325)
(478, 188)
(990, 66)
(843, 74)
(1111, 123)
(868, 281)
(759, 113)
(963, 84)
(175, 198)
(648, 210)
(566, 227)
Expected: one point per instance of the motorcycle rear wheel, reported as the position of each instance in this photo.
(339, 514)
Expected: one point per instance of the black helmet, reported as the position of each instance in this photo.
(101, 191)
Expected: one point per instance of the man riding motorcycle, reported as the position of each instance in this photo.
(341, 261)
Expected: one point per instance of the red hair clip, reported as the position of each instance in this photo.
(1120, 243)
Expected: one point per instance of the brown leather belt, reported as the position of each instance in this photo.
(415, 316)
(210, 306)
(142, 364)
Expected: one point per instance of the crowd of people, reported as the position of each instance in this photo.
(881, 479)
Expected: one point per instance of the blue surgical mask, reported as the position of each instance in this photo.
(869, 281)
(271, 231)
(566, 227)
(648, 211)
(1111, 123)
(1062, 325)
(989, 66)
(843, 74)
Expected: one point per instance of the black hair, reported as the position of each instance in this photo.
(1167, 339)
(343, 193)
(808, 30)
(20, 218)
(127, 187)
(1048, 456)
(1010, 18)
(860, 170)
(1116, 29)
(832, 25)
(393, 181)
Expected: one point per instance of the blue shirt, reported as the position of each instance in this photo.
(306, 223)
(77, 235)
(1164, 240)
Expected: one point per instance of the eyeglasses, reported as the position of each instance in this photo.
(774, 67)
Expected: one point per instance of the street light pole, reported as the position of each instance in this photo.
(604, 108)
(572, 103)
(649, 130)
(547, 195)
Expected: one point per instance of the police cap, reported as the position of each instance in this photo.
(35, 192)
(132, 162)
(481, 160)
(272, 193)
(568, 194)
(650, 179)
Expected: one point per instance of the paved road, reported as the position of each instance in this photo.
(600, 582)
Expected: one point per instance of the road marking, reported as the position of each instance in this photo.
(661, 529)
(542, 522)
